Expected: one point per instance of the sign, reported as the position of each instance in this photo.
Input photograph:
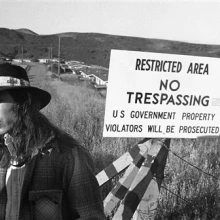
(160, 95)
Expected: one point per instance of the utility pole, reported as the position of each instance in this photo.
(51, 58)
(48, 54)
(22, 53)
(59, 59)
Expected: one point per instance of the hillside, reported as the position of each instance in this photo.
(91, 48)
(25, 31)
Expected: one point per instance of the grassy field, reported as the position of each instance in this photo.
(191, 192)
(190, 189)
(79, 109)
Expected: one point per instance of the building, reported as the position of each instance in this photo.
(99, 80)
(44, 60)
(17, 60)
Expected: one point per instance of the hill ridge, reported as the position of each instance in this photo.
(26, 31)
(91, 48)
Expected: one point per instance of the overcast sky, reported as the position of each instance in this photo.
(188, 21)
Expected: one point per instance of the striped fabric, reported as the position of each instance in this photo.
(118, 165)
(139, 185)
(142, 162)
(123, 185)
(148, 205)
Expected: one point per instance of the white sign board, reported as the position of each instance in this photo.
(162, 96)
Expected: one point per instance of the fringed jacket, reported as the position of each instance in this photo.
(59, 184)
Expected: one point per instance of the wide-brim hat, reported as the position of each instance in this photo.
(14, 77)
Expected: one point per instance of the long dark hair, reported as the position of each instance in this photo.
(31, 130)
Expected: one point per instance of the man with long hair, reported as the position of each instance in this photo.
(44, 172)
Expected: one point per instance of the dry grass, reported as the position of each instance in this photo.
(189, 195)
(79, 110)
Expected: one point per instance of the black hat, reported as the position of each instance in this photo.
(13, 77)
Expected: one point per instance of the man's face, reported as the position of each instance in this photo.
(7, 116)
